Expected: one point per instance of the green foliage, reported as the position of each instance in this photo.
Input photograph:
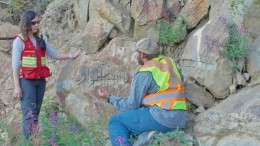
(49, 105)
(3, 132)
(235, 46)
(257, 2)
(18, 4)
(17, 7)
(171, 33)
(61, 130)
(177, 138)
(236, 6)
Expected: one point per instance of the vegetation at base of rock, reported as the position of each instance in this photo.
(176, 138)
(257, 2)
(237, 7)
(169, 33)
(58, 129)
(235, 46)
(3, 131)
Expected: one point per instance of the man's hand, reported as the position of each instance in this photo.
(103, 93)
(17, 93)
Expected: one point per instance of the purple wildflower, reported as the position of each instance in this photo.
(242, 29)
(54, 118)
(146, 5)
(120, 141)
(73, 128)
(211, 42)
(51, 141)
(166, 13)
(207, 40)
(32, 122)
(214, 42)
(223, 20)
(30, 117)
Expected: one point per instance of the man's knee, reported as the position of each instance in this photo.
(112, 120)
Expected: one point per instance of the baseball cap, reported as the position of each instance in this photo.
(147, 46)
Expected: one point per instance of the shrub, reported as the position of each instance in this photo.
(257, 3)
(60, 130)
(17, 7)
(235, 46)
(237, 6)
(171, 33)
(3, 132)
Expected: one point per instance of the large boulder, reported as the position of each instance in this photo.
(235, 121)
(81, 9)
(6, 80)
(59, 23)
(144, 11)
(95, 34)
(253, 59)
(203, 57)
(198, 95)
(80, 79)
(252, 21)
(194, 11)
(115, 15)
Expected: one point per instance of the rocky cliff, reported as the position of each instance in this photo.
(225, 101)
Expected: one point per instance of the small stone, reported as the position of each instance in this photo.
(200, 109)
(233, 89)
(246, 76)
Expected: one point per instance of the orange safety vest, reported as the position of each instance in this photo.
(171, 94)
(33, 60)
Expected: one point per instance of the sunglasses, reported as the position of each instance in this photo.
(34, 22)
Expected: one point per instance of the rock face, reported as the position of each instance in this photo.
(107, 31)
(194, 11)
(77, 86)
(6, 80)
(235, 121)
(203, 57)
(81, 9)
(251, 21)
(96, 33)
(253, 59)
(117, 16)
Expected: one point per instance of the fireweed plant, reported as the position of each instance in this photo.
(57, 129)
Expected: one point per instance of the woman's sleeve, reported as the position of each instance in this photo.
(16, 52)
(49, 50)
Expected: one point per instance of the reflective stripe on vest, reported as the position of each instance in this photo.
(43, 61)
(171, 90)
(29, 61)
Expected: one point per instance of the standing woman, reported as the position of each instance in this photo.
(30, 70)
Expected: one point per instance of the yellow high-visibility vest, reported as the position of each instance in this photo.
(171, 94)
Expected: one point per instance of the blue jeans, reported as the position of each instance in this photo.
(31, 102)
(132, 122)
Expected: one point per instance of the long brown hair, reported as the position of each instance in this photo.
(25, 22)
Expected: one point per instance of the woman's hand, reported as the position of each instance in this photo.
(17, 93)
(103, 93)
(76, 54)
